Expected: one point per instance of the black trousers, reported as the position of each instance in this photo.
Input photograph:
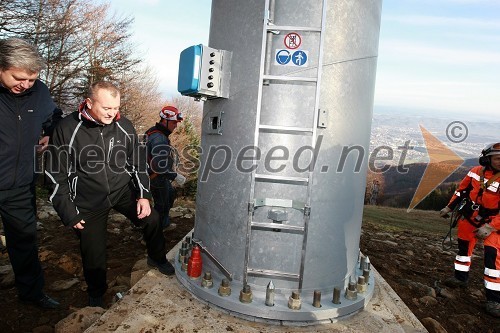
(19, 223)
(164, 196)
(93, 238)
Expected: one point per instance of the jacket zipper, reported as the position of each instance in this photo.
(105, 162)
(19, 136)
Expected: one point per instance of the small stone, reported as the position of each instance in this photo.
(428, 301)
(43, 215)
(8, 280)
(446, 294)
(63, 284)
(433, 326)
(135, 276)
(6, 269)
(174, 214)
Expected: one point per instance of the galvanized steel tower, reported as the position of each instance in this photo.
(283, 168)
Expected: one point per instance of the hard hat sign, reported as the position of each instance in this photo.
(298, 58)
(282, 57)
(292, 40)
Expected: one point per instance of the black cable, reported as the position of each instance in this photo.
(454, 217)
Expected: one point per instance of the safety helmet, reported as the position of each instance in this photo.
(489, 150)
(170, 112)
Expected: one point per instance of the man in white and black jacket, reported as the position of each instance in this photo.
(96, 163)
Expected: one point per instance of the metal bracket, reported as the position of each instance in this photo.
(251, 207)
(214, 260)
(322, 118)
(214, 124)
(307, 211)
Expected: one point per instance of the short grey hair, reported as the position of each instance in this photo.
(16, 52)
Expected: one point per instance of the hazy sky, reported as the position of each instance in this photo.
(441, 55)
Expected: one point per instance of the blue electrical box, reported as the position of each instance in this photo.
(204, 72)
(189, 70)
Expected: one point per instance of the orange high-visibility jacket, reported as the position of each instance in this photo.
(488, 197)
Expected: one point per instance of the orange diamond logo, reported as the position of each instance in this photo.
(442, 163)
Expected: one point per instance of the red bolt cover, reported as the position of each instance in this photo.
(194, 263)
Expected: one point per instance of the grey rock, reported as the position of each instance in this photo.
(446, 293)
(63, 284)
(8, 280)
(428, 301)
(115, 231)
(174, 214)
(6, 269)
(43, 215)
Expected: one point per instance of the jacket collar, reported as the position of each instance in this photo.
(162, 128)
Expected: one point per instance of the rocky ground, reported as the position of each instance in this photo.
(412, 262)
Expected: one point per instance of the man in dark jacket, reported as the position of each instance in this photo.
(161, 157)
(26, 108)
(96, 164)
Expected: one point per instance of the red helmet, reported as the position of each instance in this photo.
(170, 112)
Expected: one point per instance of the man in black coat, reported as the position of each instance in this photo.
(26, 109)
(95, 164)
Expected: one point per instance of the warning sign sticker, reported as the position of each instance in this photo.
(292, 40)
(297, 58)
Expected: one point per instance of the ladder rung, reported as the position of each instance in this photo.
(281, 179)
(275, 274)
(264, 225)
(285, 129)
(289, 78)
(285, 203)
(292, 28)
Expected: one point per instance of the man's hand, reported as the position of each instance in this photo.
(79, 225)
(143, 208)
(484, 231)
(180, 179)
(444, 212)
(43, 144)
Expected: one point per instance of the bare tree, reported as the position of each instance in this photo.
(141, 99)
(80, 40)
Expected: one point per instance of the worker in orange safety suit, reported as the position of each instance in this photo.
(477, 200)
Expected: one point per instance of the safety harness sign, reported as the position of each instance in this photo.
(296, 58)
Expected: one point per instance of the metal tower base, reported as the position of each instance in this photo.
(280, 313)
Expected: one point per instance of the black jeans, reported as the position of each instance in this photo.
(93, 239)
(19, 223)
(164, 196)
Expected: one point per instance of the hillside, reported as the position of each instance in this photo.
(400, 185)
(406, 249)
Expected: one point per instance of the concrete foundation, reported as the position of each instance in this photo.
(161, 304)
